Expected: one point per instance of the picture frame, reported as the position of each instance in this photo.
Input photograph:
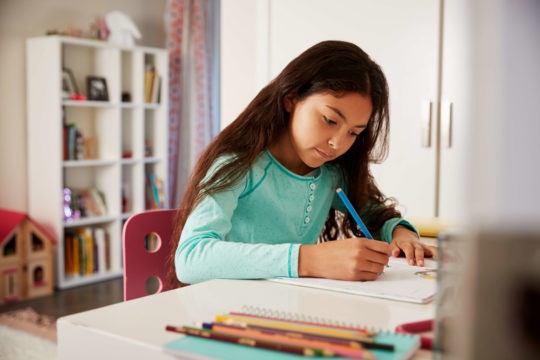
(96, 88)
(69, 85)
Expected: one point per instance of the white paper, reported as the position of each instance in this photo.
(400, 281)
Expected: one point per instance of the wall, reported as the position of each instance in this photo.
(240, 23)
(20, 19)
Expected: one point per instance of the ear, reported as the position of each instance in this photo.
(290, 102)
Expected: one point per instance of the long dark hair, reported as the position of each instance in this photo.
(335, 67)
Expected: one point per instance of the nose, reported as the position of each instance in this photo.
(331, 143)
(335, 141)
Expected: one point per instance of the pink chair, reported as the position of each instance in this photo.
(145, 254)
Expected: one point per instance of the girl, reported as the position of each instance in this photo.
(263, 192)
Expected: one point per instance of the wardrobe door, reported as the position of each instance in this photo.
(456, 116)
(402, 37)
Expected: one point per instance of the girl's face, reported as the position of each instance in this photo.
(322, 127)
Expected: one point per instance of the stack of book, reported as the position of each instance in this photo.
(76, 146)
(86, 251)
(86, 203)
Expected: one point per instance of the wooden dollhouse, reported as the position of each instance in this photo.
(26, 258)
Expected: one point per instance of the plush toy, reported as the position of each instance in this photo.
(123, 31)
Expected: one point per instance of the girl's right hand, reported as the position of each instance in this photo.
(347, 259)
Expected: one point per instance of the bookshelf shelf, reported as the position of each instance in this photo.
(83, 163)
(92, 220)
(87, 103)
(78, 280)
(91, 163)
(151, 160)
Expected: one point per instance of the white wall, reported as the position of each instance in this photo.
(20, 19)
(239, 25)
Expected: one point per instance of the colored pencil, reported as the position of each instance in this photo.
(337, 349)
(353, 212)
(312, 329)
(357, 344)
(247, 341)
(305, 322)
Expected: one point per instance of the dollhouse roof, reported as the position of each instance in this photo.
(9, 220)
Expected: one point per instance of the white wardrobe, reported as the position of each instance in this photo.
(423, 48)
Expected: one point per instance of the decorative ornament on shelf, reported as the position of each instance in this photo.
(123, 31)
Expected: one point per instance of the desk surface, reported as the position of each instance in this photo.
(136, 329)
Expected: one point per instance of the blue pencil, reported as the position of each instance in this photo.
(354, 214)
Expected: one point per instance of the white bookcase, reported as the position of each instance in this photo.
(128, 140)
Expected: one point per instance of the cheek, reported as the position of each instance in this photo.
(304, 128)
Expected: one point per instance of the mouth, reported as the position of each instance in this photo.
(324, 155)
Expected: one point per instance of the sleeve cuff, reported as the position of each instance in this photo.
(293, 252)
(390, 225)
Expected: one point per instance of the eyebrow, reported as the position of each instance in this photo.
(340, 114)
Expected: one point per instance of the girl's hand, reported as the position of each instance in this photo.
(407, 241)
(347, 259)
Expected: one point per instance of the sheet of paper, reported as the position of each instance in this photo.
(400, 281)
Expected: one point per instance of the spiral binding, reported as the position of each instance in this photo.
(302, 318)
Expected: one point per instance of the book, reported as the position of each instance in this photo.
(155, 196)
(99, 236)
(68, 253)
(400, 281)
(149, 74)
(402, 347)
(156, 86)
(86, 232)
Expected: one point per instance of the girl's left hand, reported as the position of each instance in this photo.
(407, 241)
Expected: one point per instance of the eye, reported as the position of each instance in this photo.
(352, 133)
(329, 121)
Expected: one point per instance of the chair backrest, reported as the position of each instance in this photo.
(147, 238)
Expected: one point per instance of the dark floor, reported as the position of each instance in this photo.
(73, 300)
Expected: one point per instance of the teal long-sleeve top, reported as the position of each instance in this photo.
(255, 229)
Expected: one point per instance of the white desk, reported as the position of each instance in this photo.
(136, 329)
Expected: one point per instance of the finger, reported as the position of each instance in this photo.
(395, 250)
(408, 249)
(374, 257)
(419, 255)
(430, 251)
(366, 276)
(365, 266)
(375, 268)
(379, 246)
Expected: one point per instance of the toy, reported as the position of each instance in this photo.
(122, 30)
(26, 258)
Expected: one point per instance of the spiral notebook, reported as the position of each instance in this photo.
(400, 281)
(187, 347)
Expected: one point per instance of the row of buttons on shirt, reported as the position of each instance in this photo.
(312, 187)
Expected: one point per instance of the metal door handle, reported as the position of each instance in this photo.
(447, 115)
(425, 135)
